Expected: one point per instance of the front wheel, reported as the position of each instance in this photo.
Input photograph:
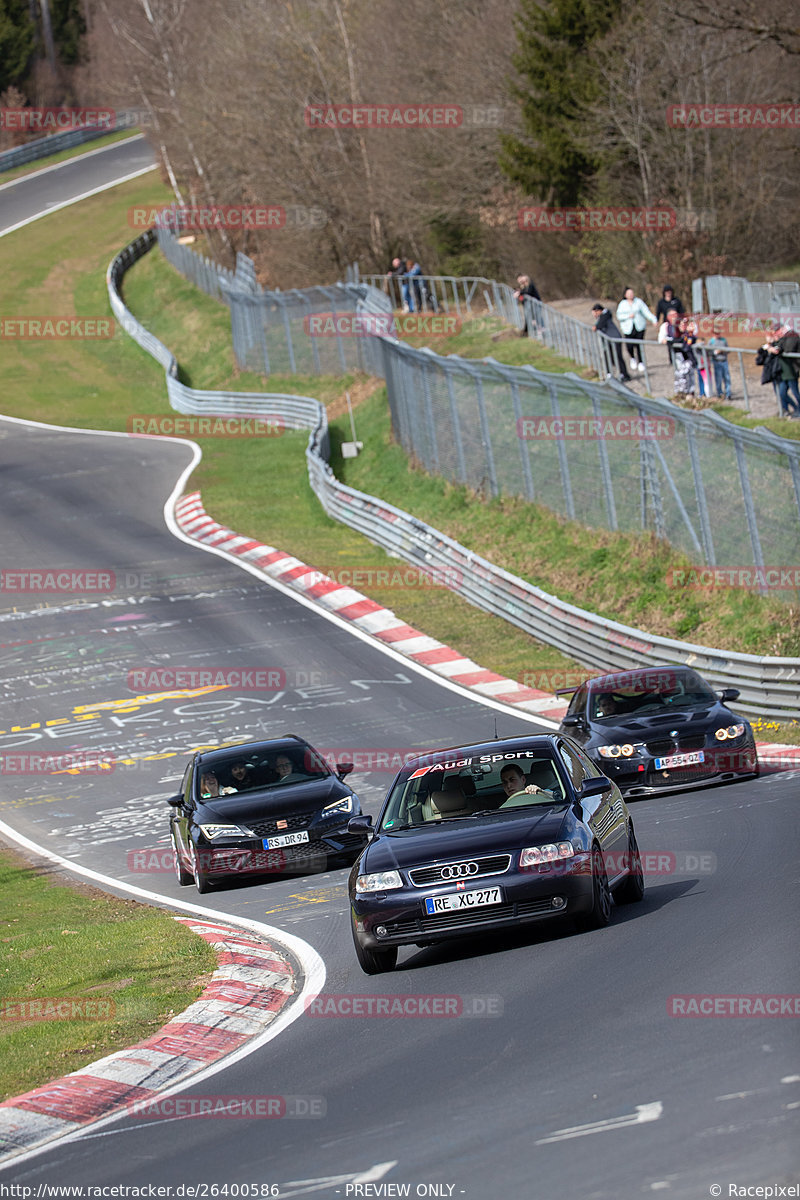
(184, 877)
(201, 880)
(600, 913)
(373, 962)
(631, 890)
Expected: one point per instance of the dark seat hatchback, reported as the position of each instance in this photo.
(259, 808)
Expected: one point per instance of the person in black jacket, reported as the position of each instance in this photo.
(604, 323)
(527, 288)
(779, 371)
(668, 300)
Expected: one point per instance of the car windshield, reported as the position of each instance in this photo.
(268, 769)
(629, 694)
(455, 792)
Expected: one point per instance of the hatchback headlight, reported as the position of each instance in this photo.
(338, 807)
(533, 856)
(219, 831)
(383, 881)
(615, 751)
(732, 731)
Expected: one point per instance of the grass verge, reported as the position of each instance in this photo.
(130, 966)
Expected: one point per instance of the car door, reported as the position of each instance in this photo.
(605, 814)
(179, 820)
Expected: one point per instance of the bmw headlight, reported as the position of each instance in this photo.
(732, 731)
(220, 831)
(534, 856)
(338, 808)
(615, 751)
(383, 881)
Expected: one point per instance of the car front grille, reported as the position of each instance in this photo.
(493, 864)
(686, 744)
(471, 917)
(292, 823)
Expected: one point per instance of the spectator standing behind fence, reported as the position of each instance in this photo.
(604, 323)
(787, 343)
(770, 366)
(418, 286)
(399, 272)
(668, 300)
(683, 359)
(526, 287)
(632, 317)
(718, 345)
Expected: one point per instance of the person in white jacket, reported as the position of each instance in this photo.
(632, 317)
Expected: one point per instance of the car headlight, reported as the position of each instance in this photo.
(533, 856)
(732, 731)
(219, 831)
(616, 751)
(383, 881)
(339, 806)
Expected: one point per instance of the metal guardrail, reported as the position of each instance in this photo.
(768, 685)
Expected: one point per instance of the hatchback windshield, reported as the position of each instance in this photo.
(447, 791)
(281, 767)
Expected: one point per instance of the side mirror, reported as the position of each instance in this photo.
(176, 801)
(728, 694)
(573, 721)
(343, 769)
(361, 824)
(595, 787)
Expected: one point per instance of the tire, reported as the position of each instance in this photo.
(373, 962)
(631, 890)
(201, 880)
(184, 877)
(600, 913)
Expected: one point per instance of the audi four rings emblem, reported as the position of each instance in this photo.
(459, 870)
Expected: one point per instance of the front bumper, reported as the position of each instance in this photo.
(638, 776)
(249, 857)
(527, 896)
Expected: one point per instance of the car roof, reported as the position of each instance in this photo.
(224, 754)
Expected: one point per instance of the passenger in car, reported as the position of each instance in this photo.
(209, 787)
(242, 776)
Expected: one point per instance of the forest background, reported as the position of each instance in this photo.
(564, 104)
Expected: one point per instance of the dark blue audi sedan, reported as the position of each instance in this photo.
(491, 836)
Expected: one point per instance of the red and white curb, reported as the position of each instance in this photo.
(383, 624)
(252, 983)
(364, 613)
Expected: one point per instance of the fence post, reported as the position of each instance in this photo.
(563, 462)
(485, 435)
